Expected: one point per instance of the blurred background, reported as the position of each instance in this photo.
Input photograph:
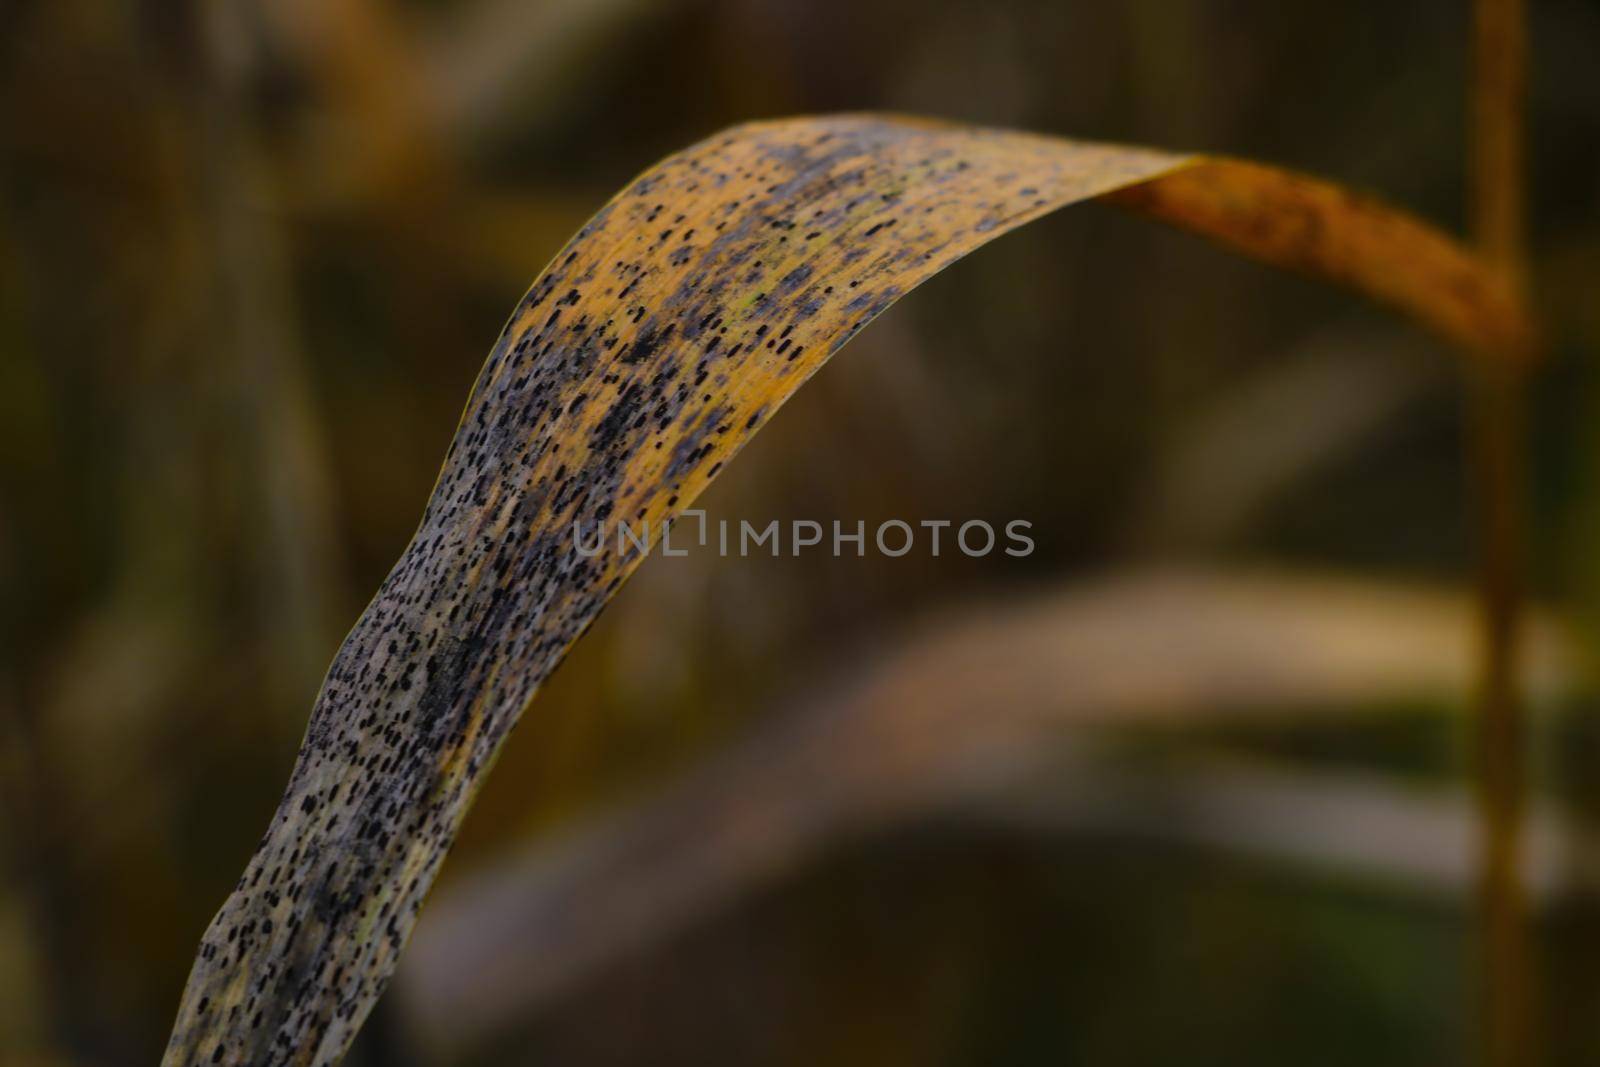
(1190, 783)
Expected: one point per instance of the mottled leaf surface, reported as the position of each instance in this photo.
(654, 345)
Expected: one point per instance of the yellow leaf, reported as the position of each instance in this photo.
(676, 322)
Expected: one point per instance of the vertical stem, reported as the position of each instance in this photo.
(1497, 150)
(1498, 224)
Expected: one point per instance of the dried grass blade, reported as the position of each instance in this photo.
(657, 342)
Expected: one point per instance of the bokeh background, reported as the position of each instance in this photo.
(251, 257)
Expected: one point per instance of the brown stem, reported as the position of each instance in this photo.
(1498, 224)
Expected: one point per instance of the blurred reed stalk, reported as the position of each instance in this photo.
(1016, 711)
(1496, 182)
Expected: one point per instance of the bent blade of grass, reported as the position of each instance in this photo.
(655, 344)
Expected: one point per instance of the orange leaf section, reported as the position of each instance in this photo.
(654, 345)
(1316, 228)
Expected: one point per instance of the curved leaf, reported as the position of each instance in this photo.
(655, 344)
